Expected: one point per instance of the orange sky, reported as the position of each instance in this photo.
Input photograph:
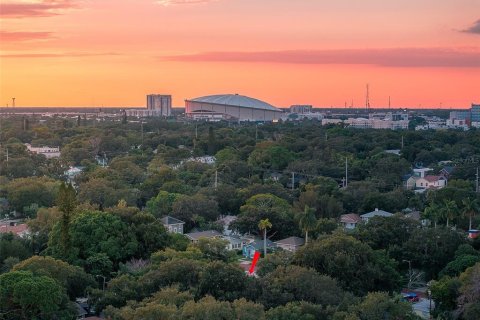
(422, 53)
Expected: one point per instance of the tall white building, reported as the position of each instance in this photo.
(158, 105)
(161, 103)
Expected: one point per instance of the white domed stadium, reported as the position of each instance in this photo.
(233, 107)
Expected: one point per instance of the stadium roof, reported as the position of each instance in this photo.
(236, 100)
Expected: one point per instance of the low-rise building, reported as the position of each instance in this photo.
(349, 221)
(248, 250)
(48, 152)
(290, 244)
(18, 229)
(376, 213)
(173, 225)
(209, 234)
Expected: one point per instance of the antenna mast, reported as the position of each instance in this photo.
(367, 100)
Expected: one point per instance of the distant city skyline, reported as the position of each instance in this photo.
(420, 54)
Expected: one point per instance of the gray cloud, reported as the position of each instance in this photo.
(475, 28)
(388, 57)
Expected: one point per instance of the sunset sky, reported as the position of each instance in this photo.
(422, 53)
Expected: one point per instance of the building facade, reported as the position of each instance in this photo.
(158, 105)
(231, 107)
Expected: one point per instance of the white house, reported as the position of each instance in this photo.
(431, 181)
(349, 221)
(49, 152)
(172, 224)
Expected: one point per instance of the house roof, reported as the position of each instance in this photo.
(377, 213)
(291, 241)
(350, 218)
(258, 244)
(226, 220)
(194, 236)
(18, 229)
(431, 178)
(415, 215)
(171, 220)
(448, 169)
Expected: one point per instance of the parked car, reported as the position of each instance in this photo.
(410, 297)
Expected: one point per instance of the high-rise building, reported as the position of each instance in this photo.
(475, 113)
(160, 103)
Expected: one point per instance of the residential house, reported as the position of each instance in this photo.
(349, 221)
(172, 224)
(376, 213)
(235, 242)
(209, 234)
(446, 171)
(48, 152)
(248, 250)
(290, 243)
(430, 181)
(18, 229)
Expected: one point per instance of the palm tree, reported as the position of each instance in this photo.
(432, 212)
(264, 225)
(450, 209)
(470, 208)
(307, 221)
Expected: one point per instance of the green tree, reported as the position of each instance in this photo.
(266, 206)
(294, 283)
(379, 306)
(72, 278)
(26, 296)
(92, 233)
(354, 264)
(469, 298)
(307, 221)
(470, 209)
(449, 210)
(263, 225)
(222, 281)
(66, 203)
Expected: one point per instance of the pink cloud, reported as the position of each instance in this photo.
(57, 55)
(43, 8)
(388, 57)
(176, 2)
(11, 36)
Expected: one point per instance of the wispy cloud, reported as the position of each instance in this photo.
(40, 8)
(388, 57)
(475, 28)
(14, 36)
(176, 2)
(57, 54)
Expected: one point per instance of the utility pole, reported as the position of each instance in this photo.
(402, 142)
(346, 172)
(141, 125)
(216, 179)
(256, 133)
(476, 189)
(196, 131)
(293, 181)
